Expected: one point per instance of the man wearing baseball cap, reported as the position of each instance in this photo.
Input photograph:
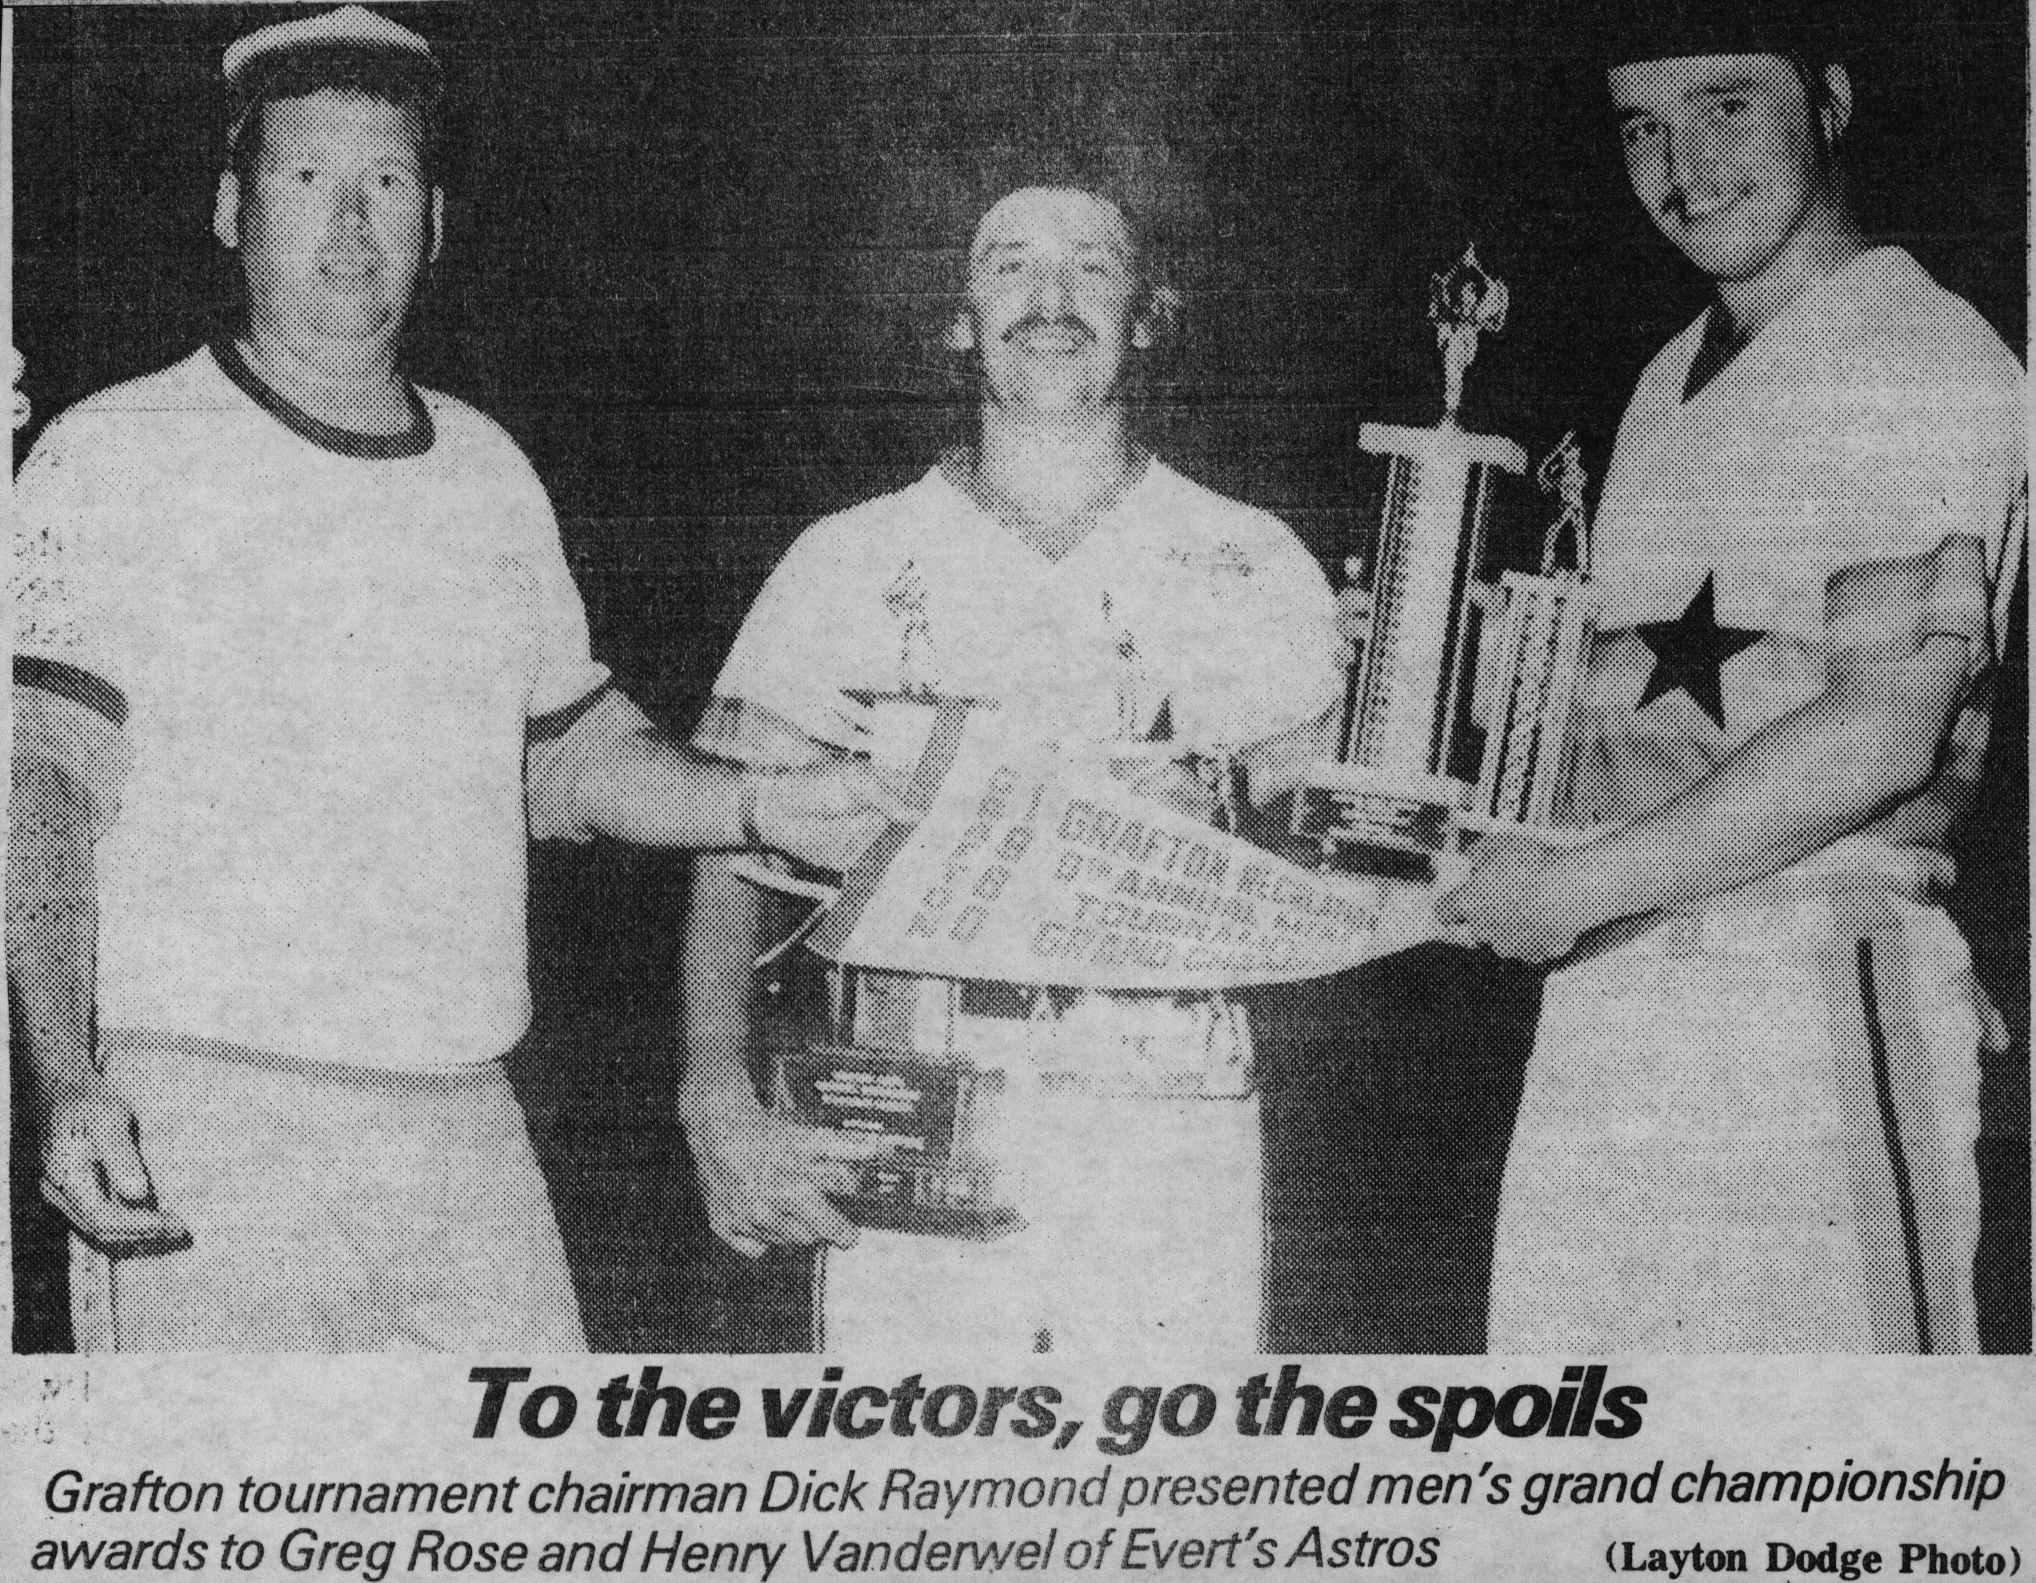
(298, 667)
(1749, 1119)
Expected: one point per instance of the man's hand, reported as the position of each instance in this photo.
(765, 1177)
(1173, 784)
(827, 816)
(1521, 898)
(93, 1174)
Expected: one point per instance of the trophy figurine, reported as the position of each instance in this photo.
(891, 1062)
(1395, 799)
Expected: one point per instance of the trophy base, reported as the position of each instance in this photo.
(1368, 822)
(932, 1182)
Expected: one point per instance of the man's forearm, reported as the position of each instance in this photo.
(723, 923)
(655, 793)
(1817, 775)
(614, 774)
(93, 1171)
(52, 925)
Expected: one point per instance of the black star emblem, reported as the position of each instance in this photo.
(1690, 650)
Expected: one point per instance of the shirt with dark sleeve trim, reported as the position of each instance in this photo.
(69, 689)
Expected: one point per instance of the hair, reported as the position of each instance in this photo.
(409, 83)
(1810, 65)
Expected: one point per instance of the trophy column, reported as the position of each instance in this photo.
(1391, 800)
(1409, 691)
(1400, 793)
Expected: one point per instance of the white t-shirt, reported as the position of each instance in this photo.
(329, 649)
(1178, 601)
(1874, 417)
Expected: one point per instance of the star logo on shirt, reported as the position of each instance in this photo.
(1690, 651)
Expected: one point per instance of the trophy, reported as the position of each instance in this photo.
(890, 1070)
(923, 1064)
(890, 1064)
(1536, 668)
(1395, 799)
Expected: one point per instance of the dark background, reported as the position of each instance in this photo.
(697, 258)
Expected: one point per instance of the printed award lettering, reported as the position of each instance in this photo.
(889, 1069)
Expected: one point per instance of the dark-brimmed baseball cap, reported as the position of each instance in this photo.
(1643, 30)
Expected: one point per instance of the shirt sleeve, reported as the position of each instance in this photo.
(70, 689)
(1983, 494)
(575, 715)
(813, 631)
(1957, 464)
(1272, 659)
(567, 672)
(572, 714)
(1968, 598)
(562, 747)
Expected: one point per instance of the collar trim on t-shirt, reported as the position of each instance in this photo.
(1720, 345)
(68, 681)
(414, 441)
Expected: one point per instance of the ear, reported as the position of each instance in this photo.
(226, 210)
(437, 223)
(1159, 321)
(1838, 103)
(961, 331)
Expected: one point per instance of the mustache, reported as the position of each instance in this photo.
(1676, 205)
(1036, 321)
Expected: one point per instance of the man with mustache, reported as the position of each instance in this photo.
(1749, 1119)
(1056, 567)
(298, 666)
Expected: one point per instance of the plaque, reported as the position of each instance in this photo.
(889, 1070)
(932, 1181)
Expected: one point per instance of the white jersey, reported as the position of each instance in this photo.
(1874, 417)
(1178, 603)
(1180, 615)
(326, 649)
(1750, 1127)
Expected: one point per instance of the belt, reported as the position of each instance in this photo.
(1103, 1042)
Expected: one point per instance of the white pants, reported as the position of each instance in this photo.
(1751, 1130)
(1143, 1234)
(331, 1210)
